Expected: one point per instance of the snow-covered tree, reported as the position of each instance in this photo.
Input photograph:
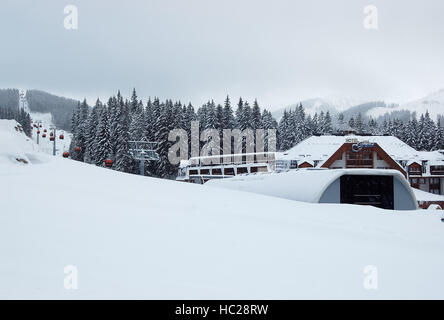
(102, 144)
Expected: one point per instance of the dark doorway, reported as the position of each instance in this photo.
(368, 190)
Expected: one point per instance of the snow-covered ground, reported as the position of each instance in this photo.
(138, 237)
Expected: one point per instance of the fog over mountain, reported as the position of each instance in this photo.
(433, 103)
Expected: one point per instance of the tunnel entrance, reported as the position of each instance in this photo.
(368, 190)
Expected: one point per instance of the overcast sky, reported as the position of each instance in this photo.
(279, 52)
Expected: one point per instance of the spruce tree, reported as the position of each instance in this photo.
(91, 128)
(123, 158)
(103, 149)
(229, 121)
(256, 119)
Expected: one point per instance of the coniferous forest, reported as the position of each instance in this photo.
(102, 132)
(20, 116)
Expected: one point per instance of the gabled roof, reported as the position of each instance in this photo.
(310, 162)
(323, 147)
(410, 162)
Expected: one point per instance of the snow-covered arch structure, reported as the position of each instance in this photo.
(382, 188)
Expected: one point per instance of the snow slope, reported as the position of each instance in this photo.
(45, 145)
(15, 147)
(332, 103)
(434, 103)
(139, 237)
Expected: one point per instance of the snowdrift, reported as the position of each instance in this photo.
(15, 146)
(138, 237)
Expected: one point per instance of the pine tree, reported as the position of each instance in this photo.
(321, 123)
(202, 116)
(284, 132)
(359, 124)
(229, 122)
(351, 123)
(341, 122)
(162, 127)
(102, 144)
(239, 113)
(256, 119)
(80, 134)
(137, 121)
(149, 122)
(438, 136)
(123, 158)
(373, 126)
(114, 115)
(91, 128)
(328, 128)
(210, 121)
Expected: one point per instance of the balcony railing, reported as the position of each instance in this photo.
(436, 171)
(415, 172)
(359, 163)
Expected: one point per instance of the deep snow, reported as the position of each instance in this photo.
(139, 237)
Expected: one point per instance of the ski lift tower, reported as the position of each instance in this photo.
(143, 151)
(53, 128)
(38, 124)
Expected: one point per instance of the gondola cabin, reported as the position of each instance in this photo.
(61, 137)
(51, 134)
(65, 154)
(38, 132)
(77, 149)
(51, 138)
(44, 135)
(44, 130)
(108, 163)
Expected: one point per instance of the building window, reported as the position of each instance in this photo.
(421, 181)
(424, 164)
(415, 180)
(242, 170)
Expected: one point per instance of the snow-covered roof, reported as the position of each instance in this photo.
(294, 184)
(436, 162)
(307, 161)
(322, 147)
(410, 162)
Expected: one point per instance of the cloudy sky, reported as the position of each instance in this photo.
(279, 51)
